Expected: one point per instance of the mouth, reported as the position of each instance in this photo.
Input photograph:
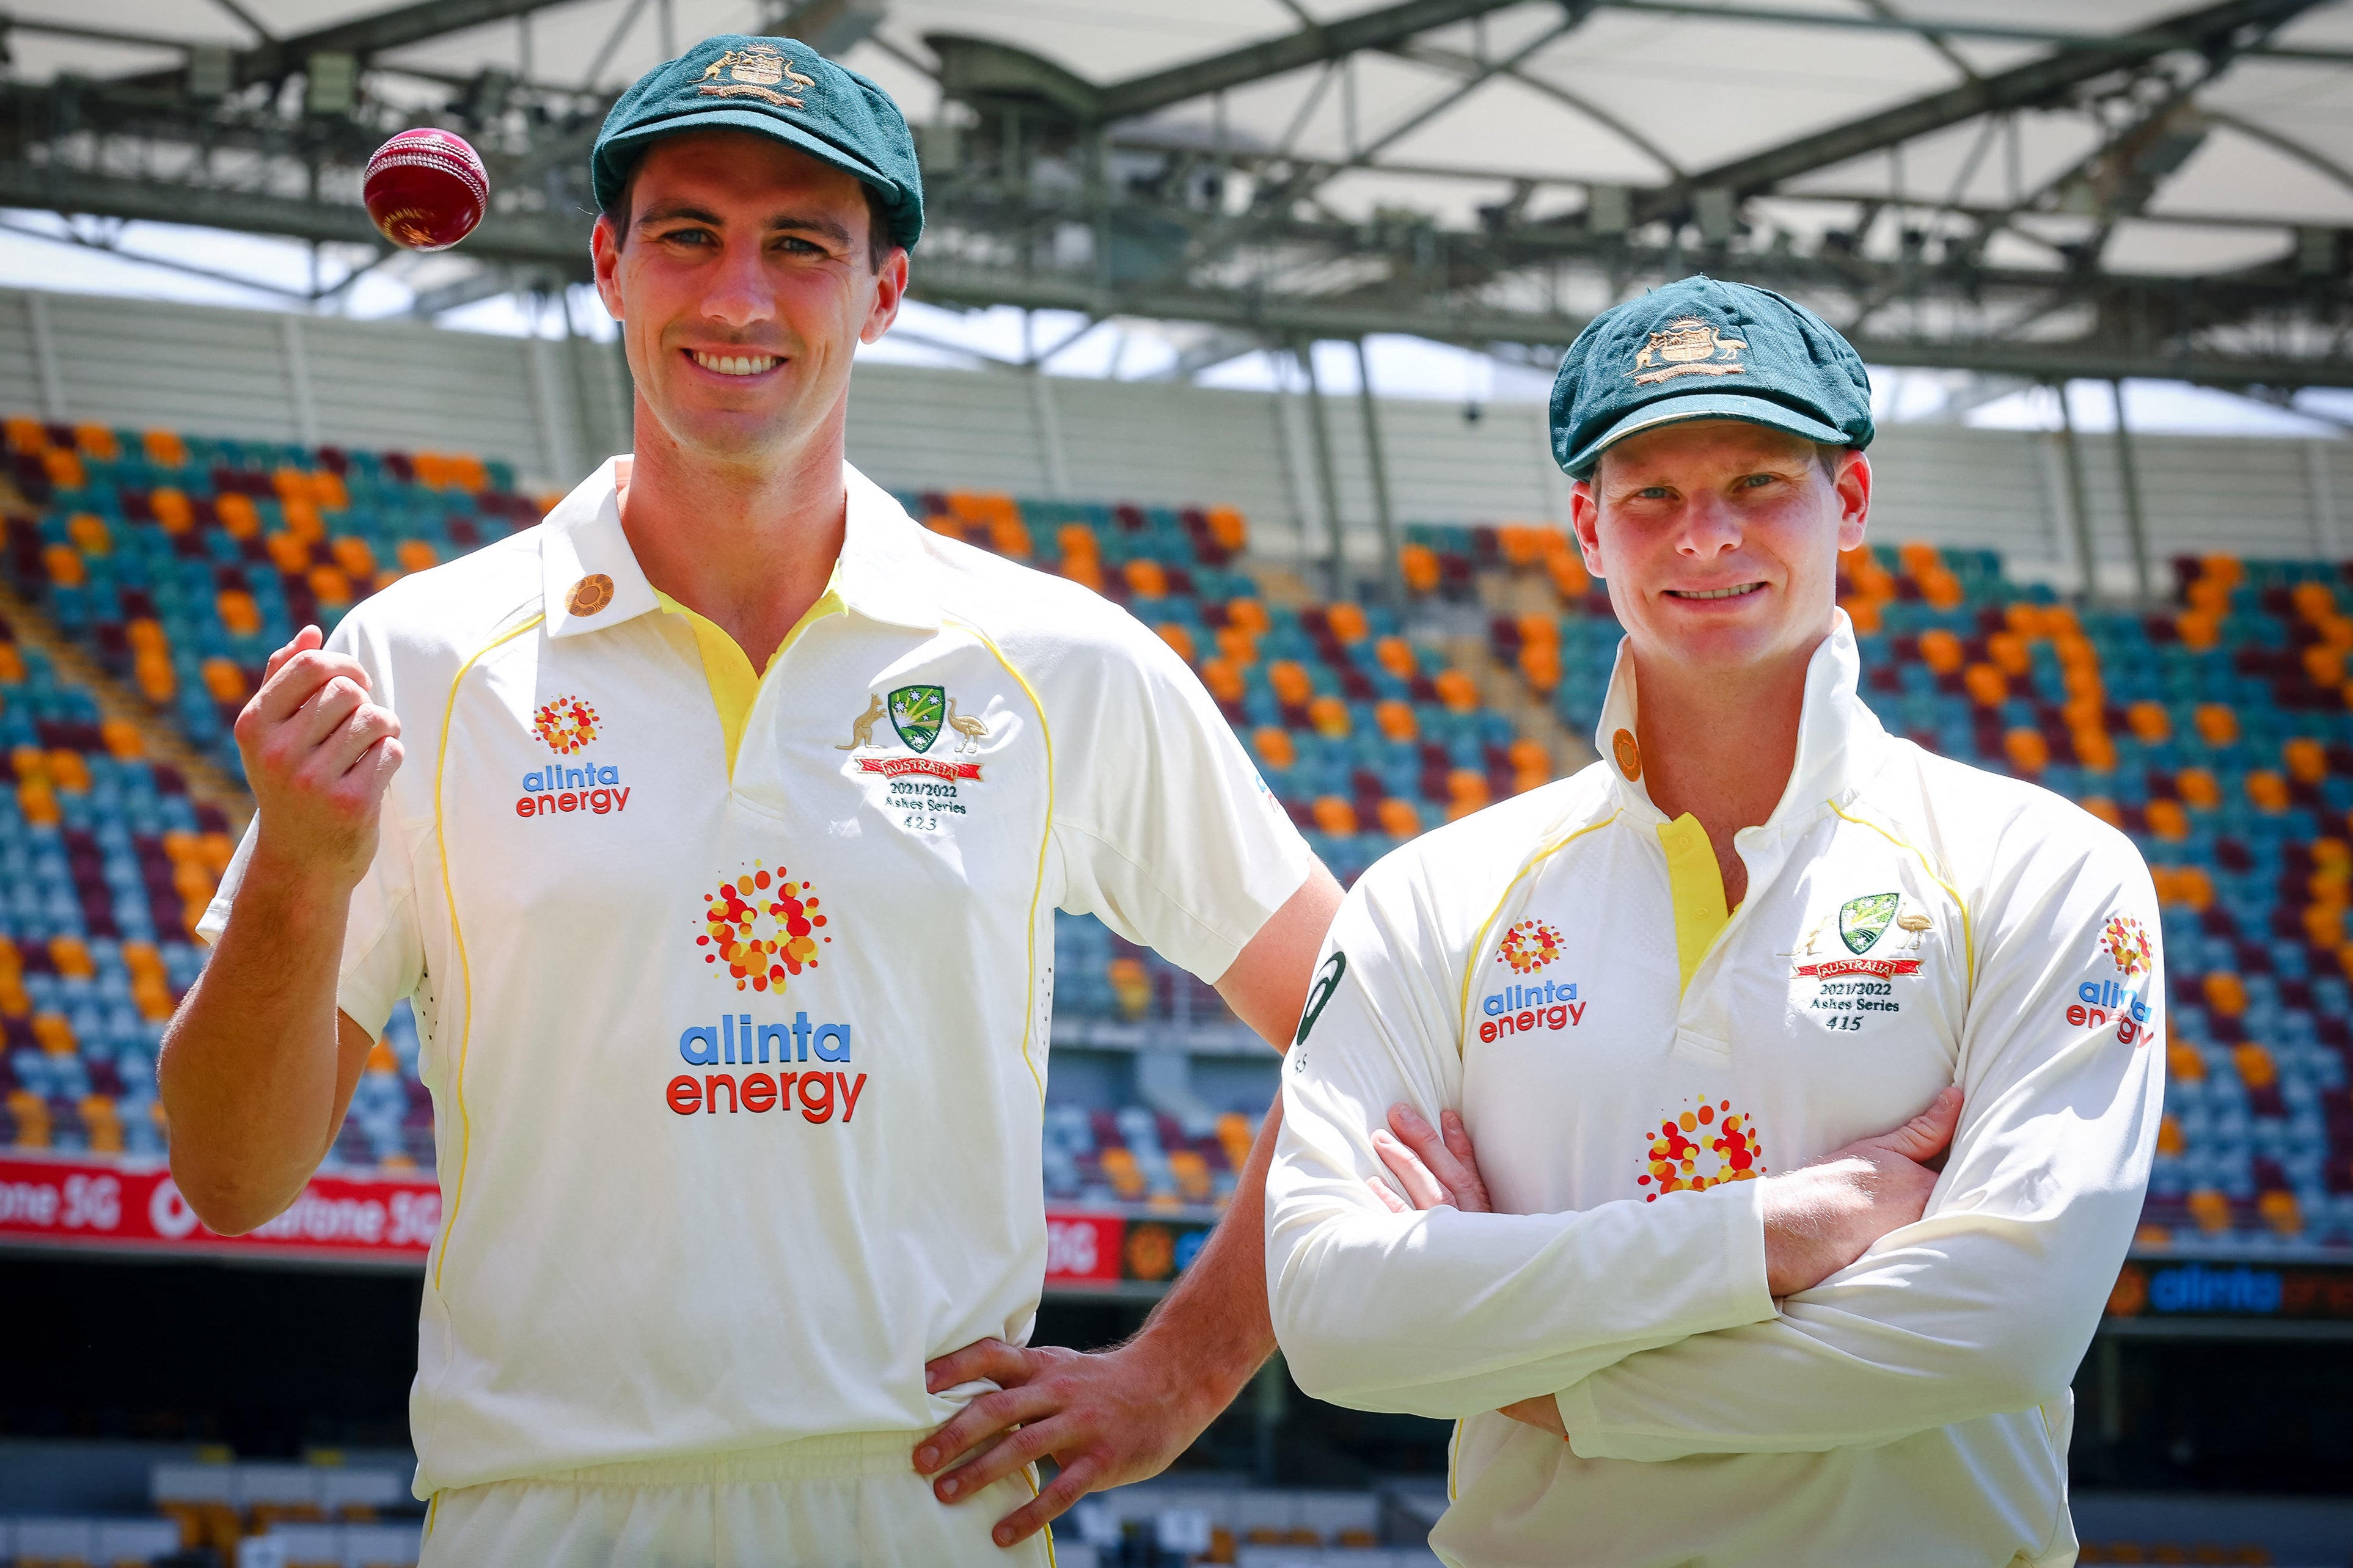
(734, 364)
(1736, 590)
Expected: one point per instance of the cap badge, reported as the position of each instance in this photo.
(755, 72)
(590, 595)
(1628, 754)
(1690, 347)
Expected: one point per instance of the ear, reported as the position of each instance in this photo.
(1585, 523)
(889, 289)
(604, 245)
(1854, 483)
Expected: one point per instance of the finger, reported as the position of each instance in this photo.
(983, 1419)
(1925, 1135)
(300, 676)
(341, 751)
(1381, 1191)
(314, 724)
(304, 641)
(1006, 1455)
(1419, 1187)
(993, 1360)
(1458, 1143)
(1415, 1129)
(1076, 1480)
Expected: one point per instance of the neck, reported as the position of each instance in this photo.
(1720, 745)
(748, 545)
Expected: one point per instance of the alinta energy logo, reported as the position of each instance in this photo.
(1699, 1149)
(569, 725)
(565, 723)
(765, 928)
(1528, 947)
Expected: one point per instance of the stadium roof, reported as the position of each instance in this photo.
(2108, 187)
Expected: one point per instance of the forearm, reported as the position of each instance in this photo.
(1214, 1320)
(251, 1071)
(1447, 1314)
(1967, 1316)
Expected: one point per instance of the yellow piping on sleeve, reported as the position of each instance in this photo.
(1479, 939)
(1045, 841)
(1696, 884)
(465, 976)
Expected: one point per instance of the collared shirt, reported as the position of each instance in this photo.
(735, 991)
(1629, 1057)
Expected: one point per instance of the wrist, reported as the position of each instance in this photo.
(275, 873)
(1201, 1368)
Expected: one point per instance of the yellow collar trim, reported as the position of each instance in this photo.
(1695, 883)
(734, 686)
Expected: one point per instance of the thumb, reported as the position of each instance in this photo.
(1924, 1137)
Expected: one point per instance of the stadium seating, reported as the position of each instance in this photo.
(2217, 730)
(184, 562)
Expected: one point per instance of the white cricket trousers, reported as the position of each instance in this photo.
(851, 1501)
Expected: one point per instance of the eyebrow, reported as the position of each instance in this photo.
(785, 222)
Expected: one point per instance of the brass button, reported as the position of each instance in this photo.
(590, 595)
(1628, 755)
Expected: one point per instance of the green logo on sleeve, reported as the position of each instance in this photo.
(1327, 980)
(1861, 921)
(916, 712)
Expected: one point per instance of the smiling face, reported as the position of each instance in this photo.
(1719, 541)
(743, 290)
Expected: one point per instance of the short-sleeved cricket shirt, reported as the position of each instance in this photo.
(736, 990)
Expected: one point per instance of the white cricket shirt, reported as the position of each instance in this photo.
(1628, 1060)
(735, 991)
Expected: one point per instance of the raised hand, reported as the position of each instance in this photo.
(318, 755)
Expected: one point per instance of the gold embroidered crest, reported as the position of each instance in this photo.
(1689, 346)
(754, 72)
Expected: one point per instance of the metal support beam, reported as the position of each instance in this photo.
(1377, 466)
(1326, 476)
(2079, 501)
(2135, 521)
(361, 35)
(2211, 28)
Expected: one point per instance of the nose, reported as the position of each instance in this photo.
(740, 293)
(1709, 527)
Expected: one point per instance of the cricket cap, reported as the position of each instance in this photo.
(1701, 349)
(777, 87)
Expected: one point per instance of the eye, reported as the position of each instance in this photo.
(800, 247)
(1753, 482)
(1652, 492)
(689, 236)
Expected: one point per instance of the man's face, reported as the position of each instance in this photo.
(744, 290)
(1720, 539)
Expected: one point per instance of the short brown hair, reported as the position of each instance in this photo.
(879, 244)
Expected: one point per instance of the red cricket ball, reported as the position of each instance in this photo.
(425, 189)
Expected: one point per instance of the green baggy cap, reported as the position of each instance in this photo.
(1701, 349)
(779, 88)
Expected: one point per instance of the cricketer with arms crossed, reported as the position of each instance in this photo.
(1689, 1303)
(715, 826)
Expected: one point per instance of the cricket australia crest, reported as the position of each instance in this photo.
(916, 712)
(1688, 346)
(1861, 921)
(754, 72)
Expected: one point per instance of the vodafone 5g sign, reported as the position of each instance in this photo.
(69, 1202)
